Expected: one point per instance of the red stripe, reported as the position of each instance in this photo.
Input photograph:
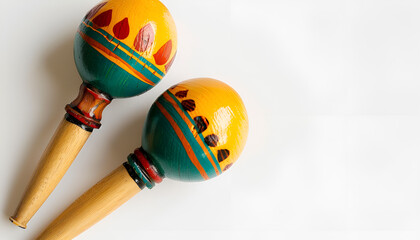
(146, 165)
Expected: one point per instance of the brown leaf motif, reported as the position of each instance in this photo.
(222, 154)
(212, 140)
(188, 105)
(201, 124)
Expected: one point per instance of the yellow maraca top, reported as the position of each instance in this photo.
(129, 17)
(196, 129)
(125, 47)
(227, 120)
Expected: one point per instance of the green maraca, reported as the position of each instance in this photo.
(122, 49)
(194, 131)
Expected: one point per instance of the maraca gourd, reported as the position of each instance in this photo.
(122, 48)
(194, 131)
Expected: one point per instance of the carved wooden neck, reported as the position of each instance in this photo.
(142, 170)
(86, 110)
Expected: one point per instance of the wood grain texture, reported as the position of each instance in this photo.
(99, 201)
(174, 146)
(63, 148)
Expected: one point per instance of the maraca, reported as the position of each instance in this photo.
(122, 48)
(194, 131)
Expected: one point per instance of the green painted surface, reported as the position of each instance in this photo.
(166, 150)
(116, 41)
(121, 54)
(98, 71)
(131, 160)
(198, 134)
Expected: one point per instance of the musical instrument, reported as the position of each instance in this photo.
(122, 49)
(194, 131)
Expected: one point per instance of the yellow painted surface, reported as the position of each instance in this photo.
(139, 14)
(224, 110)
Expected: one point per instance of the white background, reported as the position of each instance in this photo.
(332, 91)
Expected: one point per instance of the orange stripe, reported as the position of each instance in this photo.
(101, 47)
(153, 71)
(184, 141)
(188, 122)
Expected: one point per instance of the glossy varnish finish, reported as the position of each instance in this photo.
(50, 171)
(92, 206)
(190, 143)
(202, 124)
(122, 48)
(88, 106)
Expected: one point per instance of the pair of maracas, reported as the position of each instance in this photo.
(194, 131)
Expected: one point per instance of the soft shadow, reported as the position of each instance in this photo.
(126, 139)
(64, 79)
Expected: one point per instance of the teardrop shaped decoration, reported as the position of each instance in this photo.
(103, 19)
(162, 56)
(188, 105)
(182, 93)
(212, 140)
(222, 154)
(121, 29)
(227, 166)
(94, 10)
(144, 38)
(201, 124)
(168, 66)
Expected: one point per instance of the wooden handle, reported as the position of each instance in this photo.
(56, 159)
(99, 201)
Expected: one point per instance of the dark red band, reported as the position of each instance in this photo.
(150, 169)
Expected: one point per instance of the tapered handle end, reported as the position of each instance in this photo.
(14, 220)
(63, 148)
(99, 201)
